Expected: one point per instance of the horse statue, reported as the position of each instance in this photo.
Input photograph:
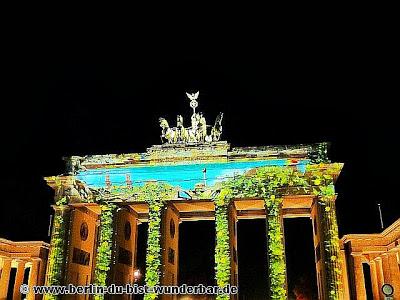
(182, 135)
(167, 133)
(216, 130)
(178, 134)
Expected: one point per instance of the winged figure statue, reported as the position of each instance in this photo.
(193, 96)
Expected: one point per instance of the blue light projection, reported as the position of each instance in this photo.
(183, 175)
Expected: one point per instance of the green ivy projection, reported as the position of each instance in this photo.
(270, 183)
(155, 194)
(56, 255)
(58, 246)
(104, 249)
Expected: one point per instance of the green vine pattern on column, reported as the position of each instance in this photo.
(153, 254)
(270, 184)
(155, 194)
(104, 250)
(276, 250)
(222, 253)
(323, 187)
(331, 248)
(58, 245)
(264, 183)
(57, 252)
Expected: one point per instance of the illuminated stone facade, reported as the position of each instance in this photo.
(28, 259)
(380, 253)
(101, 201)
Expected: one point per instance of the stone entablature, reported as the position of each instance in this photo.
(199, 152)
(375, 242)
(183, 152)
(22, 249)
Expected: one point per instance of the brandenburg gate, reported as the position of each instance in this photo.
(193, 175)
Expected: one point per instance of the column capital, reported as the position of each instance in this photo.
(35, 259)
(330, 198)
(17, 262)
(360, 256)
(373, 256)
(61, 208)
(6, 258)
(321, 200)
(279, 206)
(394, 251)
(357, 254)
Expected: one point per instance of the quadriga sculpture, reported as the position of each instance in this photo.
(197, 133)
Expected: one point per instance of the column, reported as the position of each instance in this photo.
(391, 272)
(169, 247)
(58, 245)
(153, 253)
(5, 277)
(386, 268)
(345, 275)
(222, 253)
(232, 223)
(374, 279)
(276, 249)
(33, 277)
(19, 279)
(331, 273)
(379, 275)
(359, 277)
(395, 273)
(105, 249)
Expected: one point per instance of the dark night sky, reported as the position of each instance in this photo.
(74, 97)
